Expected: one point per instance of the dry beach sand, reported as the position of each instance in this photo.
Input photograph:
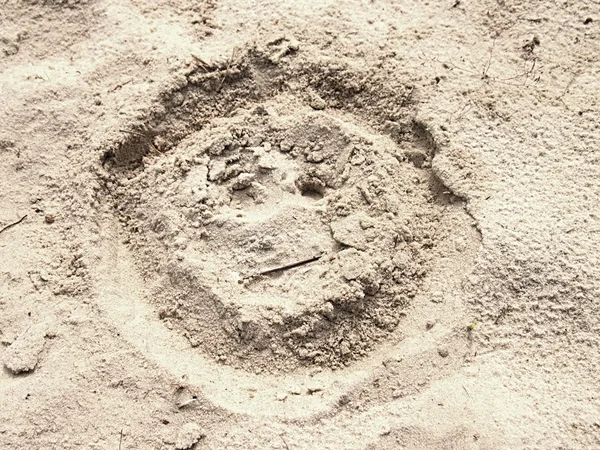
(245, 224)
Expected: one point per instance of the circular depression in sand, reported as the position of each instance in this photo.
(287, 237)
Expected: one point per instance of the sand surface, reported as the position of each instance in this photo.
(238, 224)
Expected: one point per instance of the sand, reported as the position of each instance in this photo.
(299, 225)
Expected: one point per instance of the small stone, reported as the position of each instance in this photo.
(316, 102)
(216, 170)
(180, 242)
(260, 111)
(188, 436)
(23, 354)
(443, 352)
(282, 397)
(328, 310)
(302, 353)
(285, 146)
(347, 231)
(177, 99)
(429, 325)
(44, 275)
(343, 400)
(219, 144)
(7, 338)
(243, 181)
(267, 162)
(357, 160)
(315, 157)
(344, 348)
(49, 218)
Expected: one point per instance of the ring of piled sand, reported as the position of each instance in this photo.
(293, 237)
(274, 231)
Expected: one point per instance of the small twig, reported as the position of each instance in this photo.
(229, 63)
(525, 74)
(534, 20)
(489, 63)
(462, 111)
(467, 392)
(205, 66)
(285, 443)
(119, 86)
(121, 439)
(290, 266)
(505, 81)
(134, 133)
(187, 402)
(569, 84)
(10, 225)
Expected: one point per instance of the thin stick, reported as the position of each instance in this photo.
(121, 439)
(467, 392)
(489, 63)
(187, 402)
(285, 443)
(134, 133)
(203, 63)
(493, 78)
(291, 266)
(10, 225)
(568, 86)
(229, 63)
(118, 86)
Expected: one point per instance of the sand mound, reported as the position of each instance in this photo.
(284, 232)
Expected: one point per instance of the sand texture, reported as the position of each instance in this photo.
(238, 224)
